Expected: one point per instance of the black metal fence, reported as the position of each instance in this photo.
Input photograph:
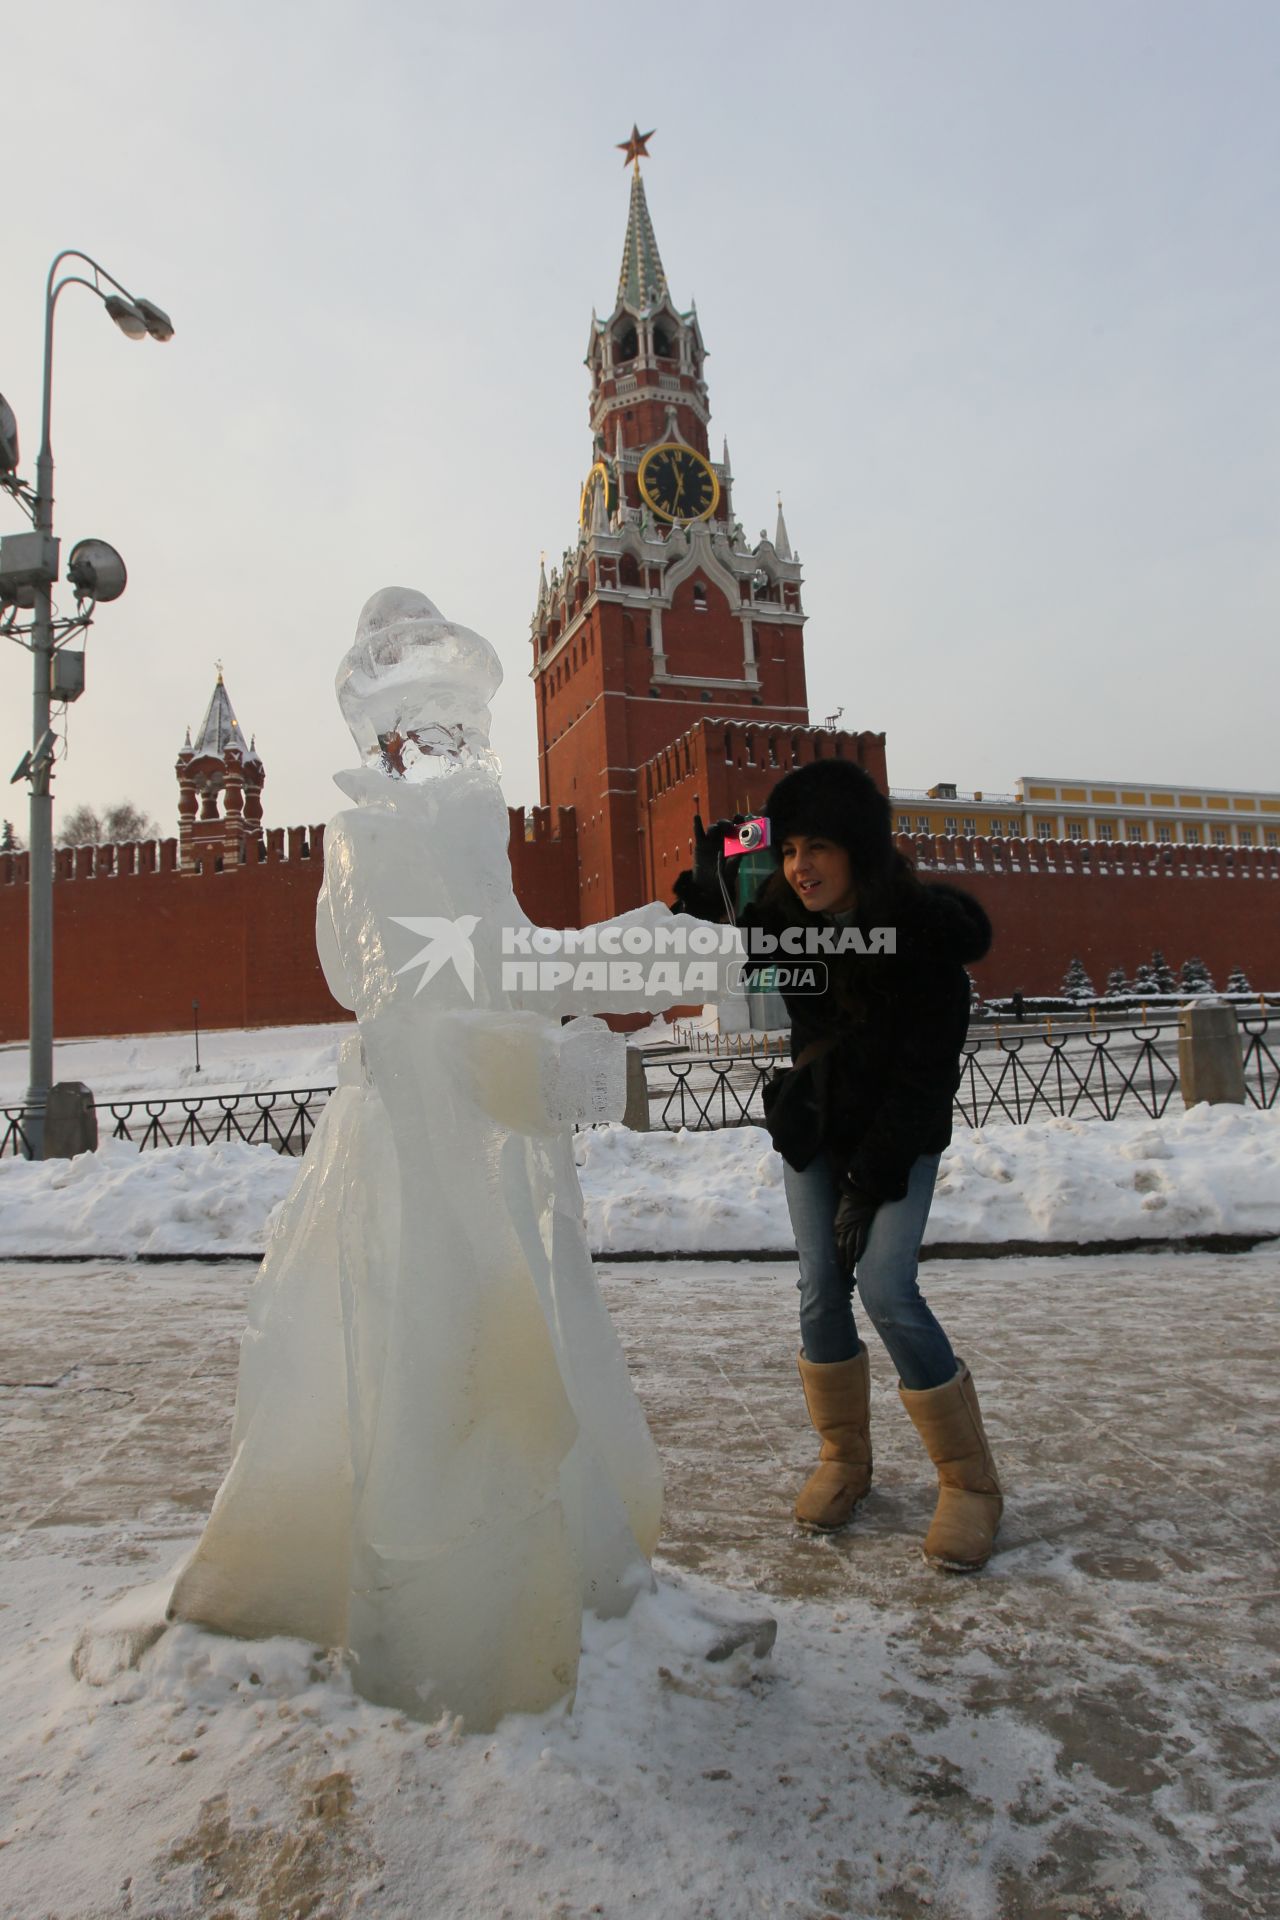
(1082, 1073)
(1034, 1074)
(1261, 1068)
(283, 1120)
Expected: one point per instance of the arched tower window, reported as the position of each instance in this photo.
(625, 343)
(662, 343)
(699, 597)
(628, 571)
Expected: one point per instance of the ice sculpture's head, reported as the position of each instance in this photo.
(415, 688)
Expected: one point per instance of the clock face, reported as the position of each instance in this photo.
(678, 483)
(599, 479)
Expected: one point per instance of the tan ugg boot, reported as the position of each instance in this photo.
(949, 1421)
(838, 1396)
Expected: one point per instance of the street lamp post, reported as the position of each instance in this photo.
(137, 319)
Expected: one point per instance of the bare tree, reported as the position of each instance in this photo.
(84, 826)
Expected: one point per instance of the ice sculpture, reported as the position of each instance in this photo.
(437, 1460)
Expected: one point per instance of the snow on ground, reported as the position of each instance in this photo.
(237, 1060)
(1212, 1170)
(232, 1060)
(1086, 1731)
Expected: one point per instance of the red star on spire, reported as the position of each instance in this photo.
(636, 148)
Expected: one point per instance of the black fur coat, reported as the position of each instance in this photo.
(899, 1021)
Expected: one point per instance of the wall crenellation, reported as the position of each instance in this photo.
(976, 853)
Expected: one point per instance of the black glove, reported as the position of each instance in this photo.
(854, 1214)
(701, 889)
(708, 851)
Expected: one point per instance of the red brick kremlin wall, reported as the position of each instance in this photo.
(136, 941)
(1111, 904)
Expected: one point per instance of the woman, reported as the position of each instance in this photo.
(862, 1125)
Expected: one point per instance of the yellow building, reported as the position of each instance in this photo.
(1042, 808)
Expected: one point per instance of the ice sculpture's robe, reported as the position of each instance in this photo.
(437, 1459)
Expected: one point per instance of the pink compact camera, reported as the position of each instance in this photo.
(748, 838)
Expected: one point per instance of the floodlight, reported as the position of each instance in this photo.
(35, 762)
(96, 571)
(129, 318)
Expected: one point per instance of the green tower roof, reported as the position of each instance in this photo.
(642, 282)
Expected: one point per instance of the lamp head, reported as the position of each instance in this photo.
(128, 317)
(159, 325)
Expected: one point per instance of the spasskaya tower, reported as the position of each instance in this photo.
(660, 614)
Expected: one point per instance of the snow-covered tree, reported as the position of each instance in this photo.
(1077, 985)
(1117, 981)
(1163, 979)
(1195, 977)
(977, 1004)
(1238, 981)
(10, 842)
(84, 826)
(1143, 983)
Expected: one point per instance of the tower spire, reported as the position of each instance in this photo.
(781, 540)
(642, 281)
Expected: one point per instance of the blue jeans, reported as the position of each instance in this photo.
(886, 1276)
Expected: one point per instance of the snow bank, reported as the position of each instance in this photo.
(121, 1201)
(1211, 1170)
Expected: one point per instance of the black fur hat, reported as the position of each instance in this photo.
(835, 800)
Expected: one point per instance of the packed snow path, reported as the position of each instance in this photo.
(1086, 1729)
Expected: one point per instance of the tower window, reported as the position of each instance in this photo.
(699, 597)
(662, 343)
(625, 344)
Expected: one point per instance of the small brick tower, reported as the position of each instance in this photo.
(218, 764)
(661, 613)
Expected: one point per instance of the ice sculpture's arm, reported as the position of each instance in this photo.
(671, 959)
(327, 949)
(359, 855)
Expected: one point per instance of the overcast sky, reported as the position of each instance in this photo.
(990, 290)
